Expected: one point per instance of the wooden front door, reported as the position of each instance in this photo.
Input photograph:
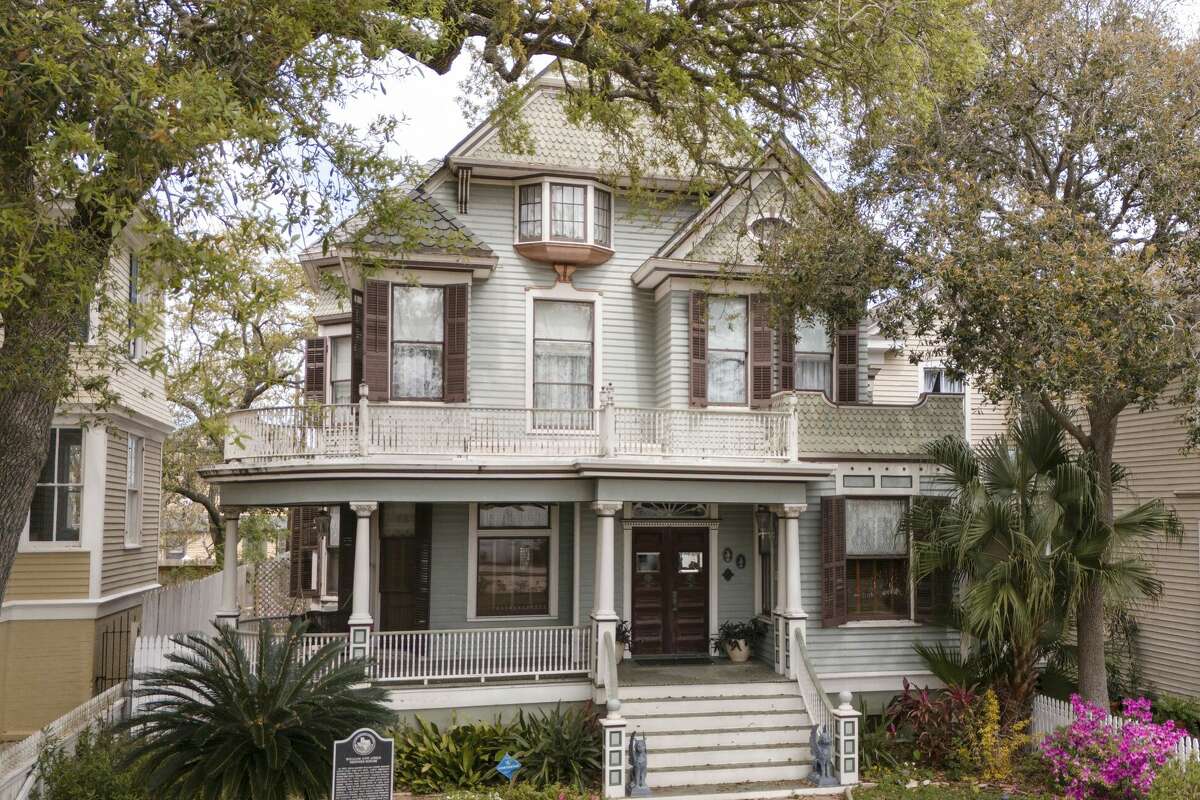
(404, 566)
(670, 591)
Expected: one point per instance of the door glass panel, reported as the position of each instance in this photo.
(690, 561)
(647, 562)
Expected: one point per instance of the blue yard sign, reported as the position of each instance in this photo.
(508, 767)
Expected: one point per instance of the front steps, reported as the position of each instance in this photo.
(734, 741)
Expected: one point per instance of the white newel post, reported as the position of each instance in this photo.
(613, 729)
(781, 640)
(364, 421)
(604, 614)
(230, 608)
(360, 606)
(794, 616)
(608, 422)
(845, 739)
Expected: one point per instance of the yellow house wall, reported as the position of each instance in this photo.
(45, 671)
(54, 575)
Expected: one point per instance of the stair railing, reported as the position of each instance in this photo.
(841, 722)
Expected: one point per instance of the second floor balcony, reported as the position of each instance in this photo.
(799, 426)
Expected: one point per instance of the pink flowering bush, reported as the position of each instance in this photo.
(1097, 762)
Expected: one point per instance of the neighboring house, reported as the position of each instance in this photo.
(579, 414)
(90, 547)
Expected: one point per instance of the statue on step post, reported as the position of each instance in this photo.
(820, 745)
(637, 766)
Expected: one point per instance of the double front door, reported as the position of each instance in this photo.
(670, 592)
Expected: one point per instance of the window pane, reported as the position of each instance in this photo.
(133, 462)
(727, 323)
(70, 455)
(41, 515)
(339, 352)
(416, 314)
(568, 205)
(417, 371)
(513, 576)
(877, 588)
(872, 525)
(814, 372)
(530, 212)
(560, 396)
(812, 338)
(514, 515)
(603, 221)
(562, 362)
(341, 391)
(726, 377)
(69, 509)
(556, 319)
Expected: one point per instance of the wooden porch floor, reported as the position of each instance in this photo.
(631, 673)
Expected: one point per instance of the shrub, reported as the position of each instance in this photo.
(430, 760)
(1184, 710)
(1096, 762)
(1179, 780)
(930, 722)
(987, 746)
(559, 747)
(94, 771)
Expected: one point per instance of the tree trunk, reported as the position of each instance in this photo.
(1024, 681)
(1089, 618)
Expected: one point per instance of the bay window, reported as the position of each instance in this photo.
(813, 358)
(56, 511)
(418, 334)
(514, 550)
(568, 212)
(602, 214)
(529, 212)
(563, 222)
(563, 363)
(727, 346)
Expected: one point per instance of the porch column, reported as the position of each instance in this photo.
(793, 608)
(604, 614)
(780, 592)
(360, 606)
(230, 609)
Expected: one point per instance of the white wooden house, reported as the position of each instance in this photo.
(580, 414)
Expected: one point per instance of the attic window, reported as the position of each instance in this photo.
(765, 230)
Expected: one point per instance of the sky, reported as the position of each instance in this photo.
(433, 121)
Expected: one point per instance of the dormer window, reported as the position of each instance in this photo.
(564, 222)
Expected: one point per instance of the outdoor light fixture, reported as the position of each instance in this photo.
(762, 518)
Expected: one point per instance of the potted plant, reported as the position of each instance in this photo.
(734, 639)
(624, 637)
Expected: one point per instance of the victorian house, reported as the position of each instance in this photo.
(548, 451)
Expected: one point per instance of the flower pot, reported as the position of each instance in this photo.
(739, 654)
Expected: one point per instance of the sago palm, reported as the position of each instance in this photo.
(1022, 537)
(219, 724)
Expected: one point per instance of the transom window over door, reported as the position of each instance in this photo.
(727, 344)
(563, 363)
(418, 333)
(56, 511)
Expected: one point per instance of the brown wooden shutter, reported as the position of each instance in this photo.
(346, 537)
(787, 356)
(847, 365)
(356, 343)
(376, 343)
(698, 349)
(833, 561)
(933, 594)
(761, 361)
(314, 370)
(423, 582)
(455, 322)
(302, 521)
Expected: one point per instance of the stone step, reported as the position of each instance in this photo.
(727, 773)
(741, 790)
(680, 691)
(714, 722)
(745, 704)
(700, 757)
(729, 737)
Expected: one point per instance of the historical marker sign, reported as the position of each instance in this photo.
(363, 767)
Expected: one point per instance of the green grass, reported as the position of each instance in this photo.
(892, 791)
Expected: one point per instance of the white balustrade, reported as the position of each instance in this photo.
(701, 433)
(293, 432)
(480, 653)
(478, 430)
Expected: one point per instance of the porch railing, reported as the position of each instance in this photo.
(481, 653)
(701, 433)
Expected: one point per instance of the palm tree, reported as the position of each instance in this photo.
(1022, 536)
(221, 725)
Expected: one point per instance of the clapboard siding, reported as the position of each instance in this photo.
(735, 597)
(129, 567)
(1149, 446)
(448, 585)
(55, 575)
(497, 319)
(896, 381)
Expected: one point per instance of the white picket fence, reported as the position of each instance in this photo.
(185, 607)
(17, 762)
(1049, 715)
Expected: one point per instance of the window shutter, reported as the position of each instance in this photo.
(847, 365)
(455, 321)
(934, 594)
(698, 349)
(302, 521)
(375, 340)
(761, 359)
(424, 568)
(833, 561)
(314, 370)
(347, 536)
(787, 356)
(356, 343)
